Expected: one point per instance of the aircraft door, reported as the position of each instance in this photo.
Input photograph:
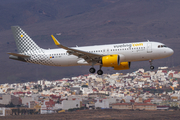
(149, 47)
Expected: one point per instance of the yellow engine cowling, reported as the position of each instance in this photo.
(114, 61)
(123, 66)
(110, 60)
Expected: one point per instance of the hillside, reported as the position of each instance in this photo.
(85, 23)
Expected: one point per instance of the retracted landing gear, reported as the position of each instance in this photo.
(151, 66)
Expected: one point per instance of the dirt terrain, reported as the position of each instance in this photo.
(100, 115)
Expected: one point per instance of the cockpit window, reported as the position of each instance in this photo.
(161, 46)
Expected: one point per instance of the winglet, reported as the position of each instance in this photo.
(55, 40)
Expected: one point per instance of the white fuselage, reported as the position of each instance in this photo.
(118, 56)
(139, 51)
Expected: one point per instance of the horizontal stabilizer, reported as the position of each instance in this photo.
(19, 55)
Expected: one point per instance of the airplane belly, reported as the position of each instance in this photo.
(159, 54)
(142, 56)
(134, 56)
(137, 55)
(65, 61)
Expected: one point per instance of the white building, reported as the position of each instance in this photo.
(86, 91)
(5, 111)
(26, 100)
(46, 109)
(70, 104)
(104, 103)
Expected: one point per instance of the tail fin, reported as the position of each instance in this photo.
(23, 42)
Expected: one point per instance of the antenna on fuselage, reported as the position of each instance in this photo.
(147, 40)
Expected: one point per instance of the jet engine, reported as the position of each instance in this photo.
(123, 66)
(115, 62)
(110, 61)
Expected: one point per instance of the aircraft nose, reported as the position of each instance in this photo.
(170, 52)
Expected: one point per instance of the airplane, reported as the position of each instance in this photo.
(117, 56)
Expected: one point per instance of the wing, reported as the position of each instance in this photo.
(89, 57)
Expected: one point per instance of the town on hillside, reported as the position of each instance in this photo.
(139, 90)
